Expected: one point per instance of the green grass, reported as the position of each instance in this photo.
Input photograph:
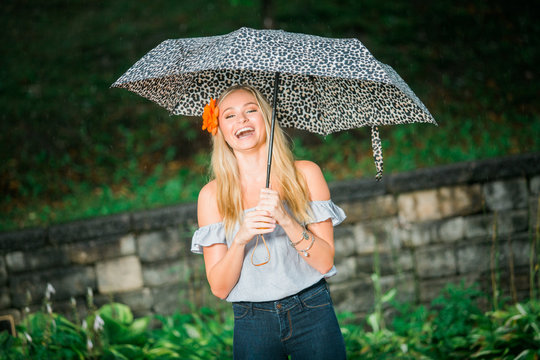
(71, 147)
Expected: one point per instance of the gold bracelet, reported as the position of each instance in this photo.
(305, 236)
(305, 251)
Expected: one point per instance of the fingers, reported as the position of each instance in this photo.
(269, 200)
(268, 193)
(259, 222)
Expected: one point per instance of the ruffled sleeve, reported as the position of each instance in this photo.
(206, 236)
(323, 210)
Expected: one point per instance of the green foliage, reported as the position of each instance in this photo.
(203, 334)
(111, 332)
(455, 319)
(71, 148)
(453, 327)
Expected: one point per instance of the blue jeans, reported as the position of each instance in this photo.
(303, 326)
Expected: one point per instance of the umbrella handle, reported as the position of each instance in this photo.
(271, 141)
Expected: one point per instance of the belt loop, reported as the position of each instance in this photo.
(251, 308)
(299, 301)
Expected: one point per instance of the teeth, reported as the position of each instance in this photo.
(244, 129)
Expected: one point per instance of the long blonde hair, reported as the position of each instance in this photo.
(293, 187)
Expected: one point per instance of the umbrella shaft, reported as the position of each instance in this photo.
(271, 142)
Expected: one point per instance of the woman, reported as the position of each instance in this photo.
(258, 253)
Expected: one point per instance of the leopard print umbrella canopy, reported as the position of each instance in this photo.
(326, 85)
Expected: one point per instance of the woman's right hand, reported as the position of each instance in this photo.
(255, 222)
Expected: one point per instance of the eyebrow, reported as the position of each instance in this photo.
(246, 104)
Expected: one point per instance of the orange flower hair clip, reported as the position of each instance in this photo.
(210, 117)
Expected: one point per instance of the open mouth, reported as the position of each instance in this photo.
(244, 132)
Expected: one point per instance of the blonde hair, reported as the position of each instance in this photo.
(293, 187)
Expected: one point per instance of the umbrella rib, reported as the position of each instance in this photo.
(179, 94)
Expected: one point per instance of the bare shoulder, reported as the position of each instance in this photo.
(318, 188)
(207, 208)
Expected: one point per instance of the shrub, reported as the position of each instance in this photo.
(452, 328)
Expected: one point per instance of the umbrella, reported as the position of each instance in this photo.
(318, 84)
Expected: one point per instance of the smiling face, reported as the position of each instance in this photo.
(241, 121)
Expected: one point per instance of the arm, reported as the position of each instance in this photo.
(321, 254)
(223, 265)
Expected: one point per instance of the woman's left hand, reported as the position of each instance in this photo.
(270, 201)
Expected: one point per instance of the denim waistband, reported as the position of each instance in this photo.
(287, 303)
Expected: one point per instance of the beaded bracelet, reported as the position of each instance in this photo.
(305, 251)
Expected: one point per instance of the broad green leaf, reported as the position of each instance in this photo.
(192, 331)
(140, 325)
(373, 322)
(117, 311)
(389, 295)
(525, 355)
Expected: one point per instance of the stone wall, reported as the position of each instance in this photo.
(426, 228)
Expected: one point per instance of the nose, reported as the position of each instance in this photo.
(241, 118)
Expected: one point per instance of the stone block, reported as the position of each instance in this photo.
(503, 223)
(519, 283)
(163, 273)
(344, 241)
(382, 234)
(473, 258)
(439, 203)
(417, 234)
(534, 215)
(505, 283)
(507, 167)
(5, 299)
(404, 285)
(88, 252)
(373, 208)
(515, 249)
(71, 281)
(119, 275)
(196, 268)
(451, 230)
(430, 232)
(506, 194)
(465, 173)
(357, 189)
(167, 299)
(22, 239)
(353, 296)
(460, 200)
(160, 245)
(3, 271)
(198, 293)
(418, 206)
(389, 263)
(90, 229)
(139, 301)
(430, 289)
(46, 258)
(170, 216)
(435, 261)
(534, 185)
(346, 269)
(429, 178)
